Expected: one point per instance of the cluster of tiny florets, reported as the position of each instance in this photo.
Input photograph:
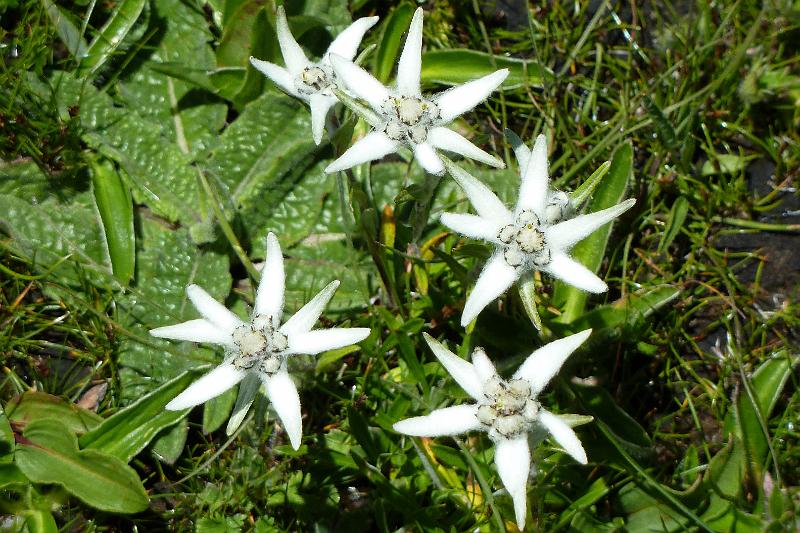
(409, 119)
(258, 346)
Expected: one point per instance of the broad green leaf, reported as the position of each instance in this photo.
(47, 230)
(663, 128)
(6, 440)
(49, 454)
(392, 30)
(627, 313)
(677, 216)
(167, 447)
(630, 435)
(646, 513)
(590, 251)
(218, 525)
(456, 66)
(269, 141)
(726, 476)
(767, 385)
(176, 111)
(169, 262)
(217, 410)
(119, 23)
(725, 164)
(11, 476)
(309, 267)
(193, 76)
(31, 406)
(129, 430)
(597, 490)
(333, 356)
(114, 203)
(39, 521)
(67, 28)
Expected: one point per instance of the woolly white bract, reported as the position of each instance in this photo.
(312, 82)
(407, 118)
(259, 347)
(534, 236)
(508, 410)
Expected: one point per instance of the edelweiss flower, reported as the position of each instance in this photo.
(508, 410)
(260, 346)
(534, 236)
(405, 117)
(312, 82)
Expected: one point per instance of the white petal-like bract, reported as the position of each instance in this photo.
(279, 75)
(533, 187)
(565, 235)
(346, 43)
(563, 435)
(460, 99)
(293, 55)
(410, 64)
(451, 141)
(428, 159)
(322, 340)
(198, 330)
(269, 296)
(565, 268)
(485, 202)
(211, 385)
(360, 82)
(447, 421)
(212, 310)
(461, 370)
(497, 276)
(372, 146)
(513, 460)
(471, 226)
(282, 393)
(304, 319)
(540, 367)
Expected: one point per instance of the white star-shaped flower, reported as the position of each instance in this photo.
(260, 346)
(406, 118)
(508, 410)
(535, 236)
(312, 82)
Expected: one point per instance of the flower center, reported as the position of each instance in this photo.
(524, 243)
(409, 119)
(259, 346)
(510, 408)
(314, 79)
(558, 207)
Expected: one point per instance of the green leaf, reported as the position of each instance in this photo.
(67, 29)
(169, 261)
(627, 313)
(677, 216)
(590, 251)
(6, 440)
(217, 410)
(725, 164)
(177, 113)
(630, 435)
(47, 230)
(49, 454)
(167, 447)
(129, 430)
(31, 406)
(11, 476)
(392, 30)
(113, 199)
(268, 142)
(456, 66)
(110, 36)
(726, 476)
(744, 421)
(39, 521)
